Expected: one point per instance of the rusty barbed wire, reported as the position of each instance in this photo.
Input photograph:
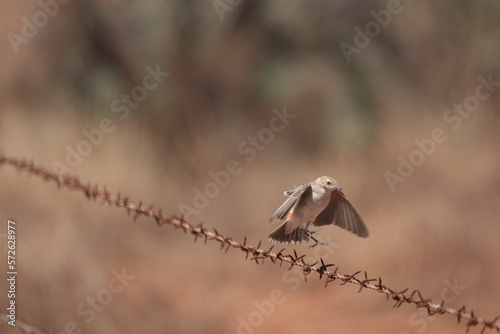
(254, 253)
(23, 326)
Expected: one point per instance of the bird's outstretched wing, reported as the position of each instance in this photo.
(341, 213)
(293, 197)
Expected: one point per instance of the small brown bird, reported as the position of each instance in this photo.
(319, 203)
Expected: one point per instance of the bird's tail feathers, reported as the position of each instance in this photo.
(294, 237)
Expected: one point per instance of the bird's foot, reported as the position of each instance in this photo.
(310, 233)
(316, 242)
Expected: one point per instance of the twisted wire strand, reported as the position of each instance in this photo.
(23, 326)
(253, 253)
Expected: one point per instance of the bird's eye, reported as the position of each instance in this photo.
(328, 182)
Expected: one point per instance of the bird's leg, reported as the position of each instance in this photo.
(316, 231)
(310, 233)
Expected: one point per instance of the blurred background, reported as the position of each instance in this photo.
(154, 99)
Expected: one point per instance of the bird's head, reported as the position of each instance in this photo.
(328, 183)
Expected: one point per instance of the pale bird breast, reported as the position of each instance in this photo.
(320, 200)
(318, 194)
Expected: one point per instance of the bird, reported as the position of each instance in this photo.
(316, 203)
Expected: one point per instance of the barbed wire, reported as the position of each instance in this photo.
(254, 253)
(21, 325)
